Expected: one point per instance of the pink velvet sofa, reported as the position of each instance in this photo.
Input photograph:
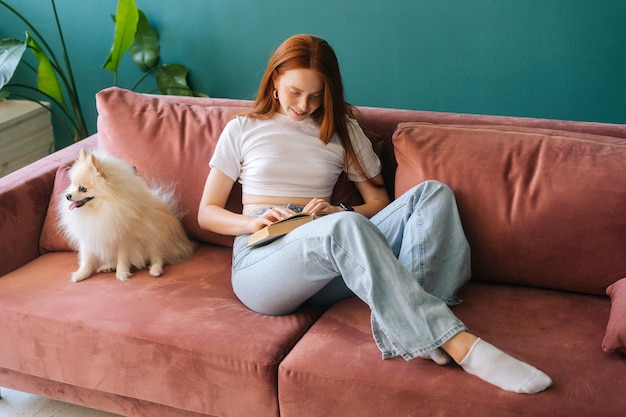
(543, 203)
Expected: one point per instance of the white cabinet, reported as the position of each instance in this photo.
(25, 134)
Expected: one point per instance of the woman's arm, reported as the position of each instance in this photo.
(375, 198)
(212, 214)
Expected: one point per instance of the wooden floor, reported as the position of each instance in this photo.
(20, 404)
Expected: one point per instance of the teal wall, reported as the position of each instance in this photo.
(558, 59)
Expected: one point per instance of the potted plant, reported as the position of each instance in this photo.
(55, 80)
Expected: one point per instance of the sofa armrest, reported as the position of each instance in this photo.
(24, 198)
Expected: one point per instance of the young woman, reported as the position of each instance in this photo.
(405, 259)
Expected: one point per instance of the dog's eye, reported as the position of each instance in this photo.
(82, 189)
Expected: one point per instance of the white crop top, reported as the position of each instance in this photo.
(281, 157)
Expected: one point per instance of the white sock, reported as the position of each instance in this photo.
(439, 356)
(496, 367)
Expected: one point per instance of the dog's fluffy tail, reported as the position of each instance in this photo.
(179, 246)
(168, 196)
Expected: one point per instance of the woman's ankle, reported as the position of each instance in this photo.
(459, 346)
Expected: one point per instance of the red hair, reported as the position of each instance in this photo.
(313, 53)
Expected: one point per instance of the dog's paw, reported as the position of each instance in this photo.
(156, 270)
(79, 276)
(123, 276)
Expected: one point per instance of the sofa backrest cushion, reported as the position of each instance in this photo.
(170, 140)
(52, 238)
(539, 207)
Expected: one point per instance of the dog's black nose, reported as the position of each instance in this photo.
(68, 196)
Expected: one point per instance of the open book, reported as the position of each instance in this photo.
(282, 227)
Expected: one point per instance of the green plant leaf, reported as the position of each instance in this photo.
(145, 50)
(11, 51)
(172, 80)
(126, 19)
(47, 80)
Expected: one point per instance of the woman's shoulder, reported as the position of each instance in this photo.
(240, 123)
(355, 130)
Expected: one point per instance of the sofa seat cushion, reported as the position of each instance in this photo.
(182, 340)
(539, 207)
(337, 364)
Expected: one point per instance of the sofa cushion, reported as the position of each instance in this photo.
(615, 336)
(183, 340)
(52, 238)
(539, 207)
(337, 364)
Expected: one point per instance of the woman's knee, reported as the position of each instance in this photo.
(432, 187)
(431, 190)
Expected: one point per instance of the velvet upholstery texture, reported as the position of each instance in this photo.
(99, 400)
(21, 203)
(207, 353)
(538, 207)
(52, 238)
(615, 336)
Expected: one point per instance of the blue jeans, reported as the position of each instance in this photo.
(407, 263)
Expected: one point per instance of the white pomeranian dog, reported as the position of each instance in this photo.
(116, 221)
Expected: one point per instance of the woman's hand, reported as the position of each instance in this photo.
(269, 216)
(319, 204)
(275, 214)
